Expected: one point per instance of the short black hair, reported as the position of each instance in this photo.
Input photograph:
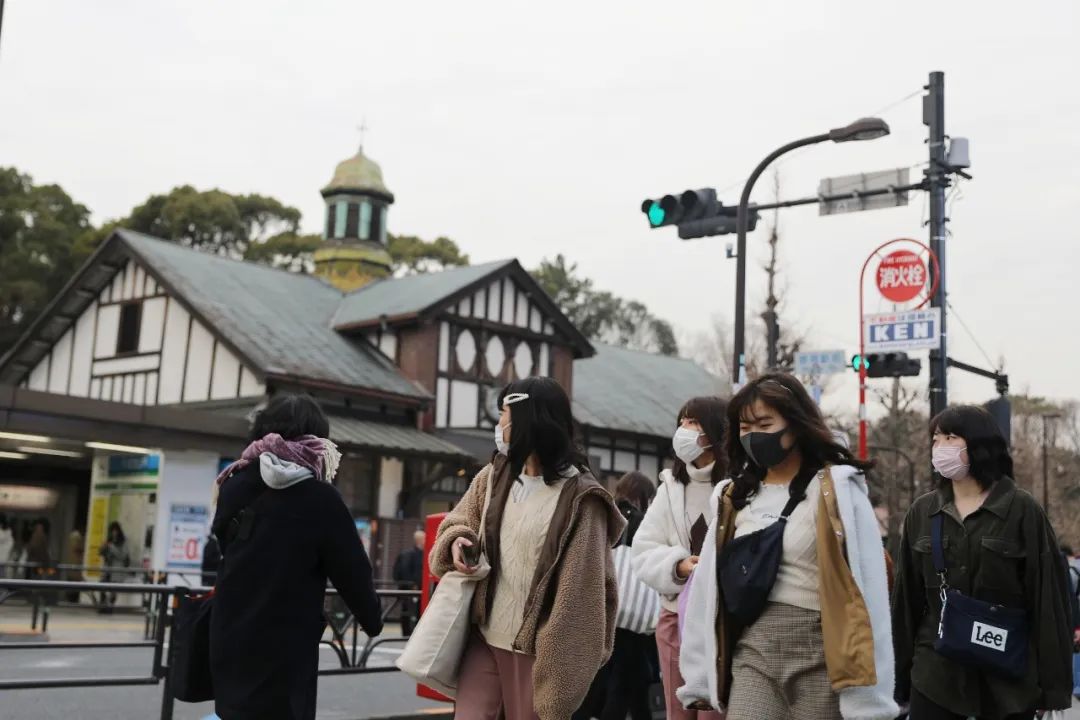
(637, 488)
(291, 417)
(542, 424)
(987, 449)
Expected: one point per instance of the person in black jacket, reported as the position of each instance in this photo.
(999, 548)
(283, 530)
(409, 575)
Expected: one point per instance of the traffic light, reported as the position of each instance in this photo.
(665, 211)
(894, 364)
(858, 361)
(697, 213)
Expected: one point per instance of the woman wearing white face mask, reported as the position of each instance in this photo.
(668, 543)
(997, 548)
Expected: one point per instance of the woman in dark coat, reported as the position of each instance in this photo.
(283, 530)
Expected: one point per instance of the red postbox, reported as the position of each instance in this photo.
(427, 587)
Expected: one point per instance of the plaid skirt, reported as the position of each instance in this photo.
(778, 670)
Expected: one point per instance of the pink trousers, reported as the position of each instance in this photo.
(667, 645)
(494, 684)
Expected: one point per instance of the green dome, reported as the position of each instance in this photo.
(358, 174)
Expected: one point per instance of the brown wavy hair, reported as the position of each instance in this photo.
(710, 412)
(815, 441)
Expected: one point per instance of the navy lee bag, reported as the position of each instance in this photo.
(973, 632)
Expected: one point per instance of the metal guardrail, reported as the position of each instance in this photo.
(66, 569)
(354, 663)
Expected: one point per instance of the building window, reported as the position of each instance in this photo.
(329, 222)
(339, 219)
(352, 221)
(365, 221)
(127, 340)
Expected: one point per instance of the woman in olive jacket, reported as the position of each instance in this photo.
(999, 548)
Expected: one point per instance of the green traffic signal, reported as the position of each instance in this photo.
(858, 360)
(656, 214)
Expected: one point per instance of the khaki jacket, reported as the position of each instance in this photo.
(569, 623)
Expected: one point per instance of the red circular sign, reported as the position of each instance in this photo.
(901, 276)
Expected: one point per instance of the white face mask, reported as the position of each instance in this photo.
(501, 445)
(685, 445)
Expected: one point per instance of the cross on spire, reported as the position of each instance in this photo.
(362, 127)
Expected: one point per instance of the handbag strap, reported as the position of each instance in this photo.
(792, 503)
(937, 548)
(795, 496)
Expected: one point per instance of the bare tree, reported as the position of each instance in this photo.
(785, 356)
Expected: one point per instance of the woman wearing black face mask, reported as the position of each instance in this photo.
(792, 621)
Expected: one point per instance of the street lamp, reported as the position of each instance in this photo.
(862, 129)
(1045, 462)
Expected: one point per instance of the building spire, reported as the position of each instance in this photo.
(362, 127)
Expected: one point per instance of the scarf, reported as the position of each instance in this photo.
(317, 455)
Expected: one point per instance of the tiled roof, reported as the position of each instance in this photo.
(635, 391)
(279, 321)
(410, 295)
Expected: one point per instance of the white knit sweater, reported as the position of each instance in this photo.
(526, 518)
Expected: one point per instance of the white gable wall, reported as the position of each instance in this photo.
(178, 358)
(516, 342)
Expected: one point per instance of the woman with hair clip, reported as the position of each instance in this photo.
(668, 543)
(544, 617)
(791, 618)
(997, 548)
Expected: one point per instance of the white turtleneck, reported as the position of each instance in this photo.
(698, 494)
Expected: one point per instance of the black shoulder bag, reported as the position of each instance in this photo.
(974, 632)
(747, 566)
(189, 642)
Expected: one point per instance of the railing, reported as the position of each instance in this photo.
(166, 597)
(40, 610)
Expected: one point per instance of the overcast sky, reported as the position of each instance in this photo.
(524, 129)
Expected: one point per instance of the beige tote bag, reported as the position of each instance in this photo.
(433, 654)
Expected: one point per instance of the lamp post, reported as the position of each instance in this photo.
(862, 129)
(1045, 462)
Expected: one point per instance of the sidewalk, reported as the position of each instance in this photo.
(75, 625)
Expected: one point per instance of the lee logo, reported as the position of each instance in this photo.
(989, 636)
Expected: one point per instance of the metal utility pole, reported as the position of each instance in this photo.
(937, 175)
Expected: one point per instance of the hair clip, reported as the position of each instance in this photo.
(512, 398)
(777, 382)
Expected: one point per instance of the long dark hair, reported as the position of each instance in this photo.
(291, 417)
(542, 424)
(710, 412)
(986, 447)
(788, 397)
(115, 526)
